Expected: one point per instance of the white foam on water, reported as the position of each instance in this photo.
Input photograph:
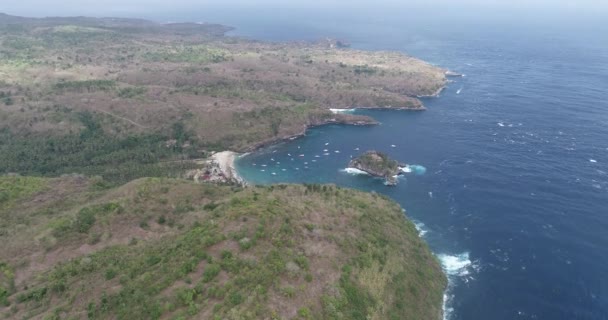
(421, 227)
(592, 160)
(393, 146)
(354, 171)
(337, 151)
(500, 124)
(456, 267)
(406, 169)
(326, 154)
(459, 90)
(336, 111)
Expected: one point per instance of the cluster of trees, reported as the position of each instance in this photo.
(93, 152)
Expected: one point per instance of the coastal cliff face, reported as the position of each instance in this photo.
(377, 164)
(171, 249)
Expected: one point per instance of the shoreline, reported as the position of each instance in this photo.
(226, 161)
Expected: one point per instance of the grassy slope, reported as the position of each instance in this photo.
(169, 249)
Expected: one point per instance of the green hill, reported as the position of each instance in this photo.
(170, 249)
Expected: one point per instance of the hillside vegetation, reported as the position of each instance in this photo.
(73, 84)
(171, 249)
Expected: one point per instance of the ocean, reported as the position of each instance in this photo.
(511, 188)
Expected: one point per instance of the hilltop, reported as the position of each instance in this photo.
(171, 249)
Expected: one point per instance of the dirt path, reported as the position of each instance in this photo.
(123, 118)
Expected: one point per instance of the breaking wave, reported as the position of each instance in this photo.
(457, 268)
(335, 111)
(354, 171)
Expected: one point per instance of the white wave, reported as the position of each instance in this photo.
(421, 227)
(326, 154)
(406, 169)
(456, 267)
(592, 160)
(337, 151)
(354, 171)
(336, 111)
(393, 146)
(459, 91)
(500, 124)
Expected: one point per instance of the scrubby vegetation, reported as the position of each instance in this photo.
(231, 93)
(90, 106)
(288, 252)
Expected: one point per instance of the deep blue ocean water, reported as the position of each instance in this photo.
(514, 200)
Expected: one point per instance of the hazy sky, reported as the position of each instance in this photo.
(135, 7)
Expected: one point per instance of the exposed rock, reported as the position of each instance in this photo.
(377, 164)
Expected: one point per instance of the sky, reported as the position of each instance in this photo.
(157, 7)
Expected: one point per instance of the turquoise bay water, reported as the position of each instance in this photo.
(515, 192)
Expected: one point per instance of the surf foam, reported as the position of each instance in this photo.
(336, 111)
(421, 227)
(353, 171)
(456, 267)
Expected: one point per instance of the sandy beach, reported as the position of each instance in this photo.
(226, 159)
